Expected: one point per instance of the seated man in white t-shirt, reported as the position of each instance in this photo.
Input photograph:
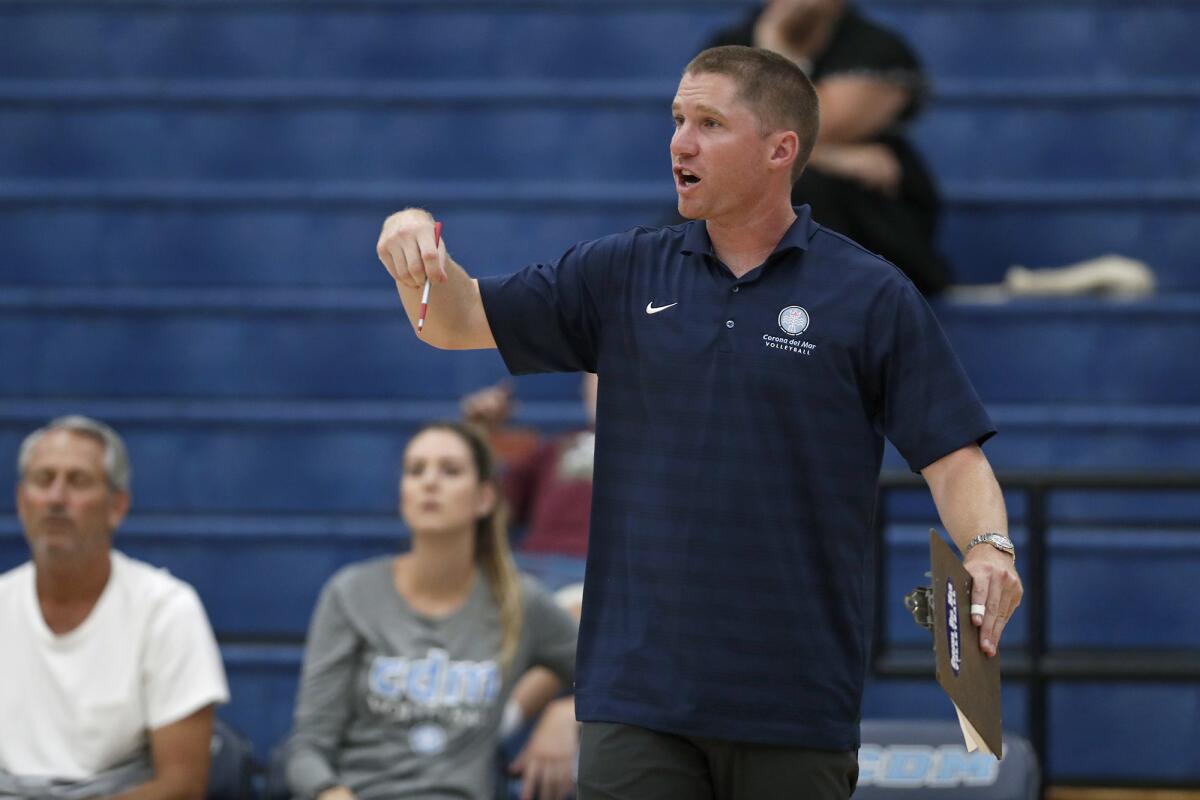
(110, 672)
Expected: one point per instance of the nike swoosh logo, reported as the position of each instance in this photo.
(650, 309)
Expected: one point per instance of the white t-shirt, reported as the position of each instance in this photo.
(75, 705)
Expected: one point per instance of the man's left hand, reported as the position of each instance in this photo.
(997, 587)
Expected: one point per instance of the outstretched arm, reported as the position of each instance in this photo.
(970, 502)
(455, 319)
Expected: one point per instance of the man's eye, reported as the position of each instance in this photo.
(711, 123)
(81, 480)
(41, 478)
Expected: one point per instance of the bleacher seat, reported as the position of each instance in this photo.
(276, 785)
(231, 771)
(921, 759)
(263, 680)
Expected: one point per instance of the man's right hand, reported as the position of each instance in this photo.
(337, 793)
(456, 318)
(407, 248)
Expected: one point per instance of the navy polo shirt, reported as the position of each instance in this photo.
(739, 434)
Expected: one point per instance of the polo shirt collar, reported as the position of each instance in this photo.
(697, 242)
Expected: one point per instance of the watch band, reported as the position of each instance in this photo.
(1001, 543)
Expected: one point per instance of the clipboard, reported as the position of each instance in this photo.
(970, 678)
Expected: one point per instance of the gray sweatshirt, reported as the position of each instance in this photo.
(394, 704)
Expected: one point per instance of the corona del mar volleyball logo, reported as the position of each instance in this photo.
(952, 636)
(793, 320)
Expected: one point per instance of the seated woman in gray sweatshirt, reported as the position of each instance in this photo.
(410, 660)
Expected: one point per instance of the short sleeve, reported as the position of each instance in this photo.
(929, 407)
(553, 632)
(548, 317)
(182, 670)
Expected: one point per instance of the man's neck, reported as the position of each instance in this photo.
(67, 592)
(744, 241)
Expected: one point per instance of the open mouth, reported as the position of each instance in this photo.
(685, 178)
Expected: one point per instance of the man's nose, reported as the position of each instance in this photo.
(56, 492)
(683, 143)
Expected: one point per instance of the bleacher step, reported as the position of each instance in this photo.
(321, 233)
(618, 38)
(357, 344)
(542, 129)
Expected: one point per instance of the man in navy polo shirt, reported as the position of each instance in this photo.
(751, 364)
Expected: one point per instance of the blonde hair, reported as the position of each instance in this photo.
(493, 556)
(777, 91)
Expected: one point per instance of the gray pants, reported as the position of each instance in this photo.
(623, 762)
(107, 783)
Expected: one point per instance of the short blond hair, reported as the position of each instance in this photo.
(778, 93)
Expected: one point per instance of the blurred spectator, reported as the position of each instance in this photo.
(548, 485)
(110, 669)
(410, 660)
(864, 179)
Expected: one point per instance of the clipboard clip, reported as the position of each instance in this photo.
(919, 603)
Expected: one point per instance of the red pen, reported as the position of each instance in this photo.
(437, 241)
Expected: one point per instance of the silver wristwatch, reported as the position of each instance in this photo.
(1001, 543)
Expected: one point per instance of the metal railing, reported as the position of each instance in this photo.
(1036, 664)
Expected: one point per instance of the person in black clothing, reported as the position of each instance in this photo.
(864, 180)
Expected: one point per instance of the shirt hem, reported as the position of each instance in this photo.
(822, 735)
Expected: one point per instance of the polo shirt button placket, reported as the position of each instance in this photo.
(726, 339)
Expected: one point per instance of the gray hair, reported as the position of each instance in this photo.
(115, 459)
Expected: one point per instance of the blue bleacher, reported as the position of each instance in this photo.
(351, 344)
(192, 190)
(197, 40)
(1096, 728)
(286, 234)
(263, 679)
(563, 38)
(1143, 563)
(300, 233)
(539, 129)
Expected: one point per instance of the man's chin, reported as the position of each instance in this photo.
(56, 545)
(687, 210)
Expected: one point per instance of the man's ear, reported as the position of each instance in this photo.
(117, 509)
(785, 148)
